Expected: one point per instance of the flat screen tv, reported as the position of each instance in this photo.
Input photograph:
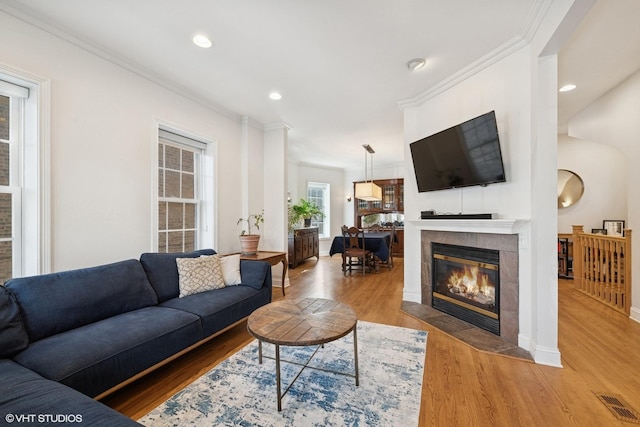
(463, 155)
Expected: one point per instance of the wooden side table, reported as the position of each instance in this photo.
(273, 258)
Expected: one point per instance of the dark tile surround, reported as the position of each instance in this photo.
(507, 245)
(465, 332)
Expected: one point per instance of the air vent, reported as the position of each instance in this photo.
(619, 408)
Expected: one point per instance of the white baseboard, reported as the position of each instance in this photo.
(542, 355)
(547, 356)
(412, 297)
(635, 314)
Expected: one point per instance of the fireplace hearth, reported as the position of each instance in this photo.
(466, 284)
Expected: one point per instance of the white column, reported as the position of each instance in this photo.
(545, 221)
(274, 236)
(275, 187)
(244, 166)
(412, 237)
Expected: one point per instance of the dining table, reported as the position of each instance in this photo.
(376, 242)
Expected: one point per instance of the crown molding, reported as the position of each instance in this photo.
(528, 30)
(253, 123)
(379, 166)
(534, 19)
(277, 126)
(318, 166)
(503, 51)
(29, 16)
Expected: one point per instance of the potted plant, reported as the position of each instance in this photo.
(306, 210)
(249, 242)
(292, 220)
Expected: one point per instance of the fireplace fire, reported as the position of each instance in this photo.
(466, 283)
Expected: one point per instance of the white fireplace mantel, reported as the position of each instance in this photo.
(496, 226)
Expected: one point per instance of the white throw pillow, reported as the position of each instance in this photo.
(199, 274)
(231, 269)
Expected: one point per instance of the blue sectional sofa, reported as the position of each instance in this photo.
(69, 338)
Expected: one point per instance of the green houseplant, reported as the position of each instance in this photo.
(249, 242)
(305, 210)
(292, 220)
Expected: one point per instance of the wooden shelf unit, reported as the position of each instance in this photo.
(392, 202)
(565, 256)
(392, 199)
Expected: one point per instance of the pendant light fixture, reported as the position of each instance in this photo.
(368, 190)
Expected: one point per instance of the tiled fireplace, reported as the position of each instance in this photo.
(466, 284)
(492, 260)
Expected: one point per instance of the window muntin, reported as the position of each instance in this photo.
(318, 193)
(179, 196)
(11, 122)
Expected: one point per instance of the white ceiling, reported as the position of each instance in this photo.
(602, 52)
(340, 65)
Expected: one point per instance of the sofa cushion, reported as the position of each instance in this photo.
(96, 357)
(58, 302)
(222, 307)
(13, 336)
(231, 269)
(199, 274)
(25, 393)
(255, 273)
(162, 271)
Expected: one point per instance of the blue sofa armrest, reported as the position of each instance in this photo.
(256, 274)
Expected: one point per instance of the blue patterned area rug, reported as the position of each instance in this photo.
(241, 392)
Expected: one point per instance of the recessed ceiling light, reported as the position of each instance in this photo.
(275, 96)
(416, 63)
(202, 41)
(567, 88)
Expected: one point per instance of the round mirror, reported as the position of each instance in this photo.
(570, 188)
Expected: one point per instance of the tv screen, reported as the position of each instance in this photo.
(463, 155)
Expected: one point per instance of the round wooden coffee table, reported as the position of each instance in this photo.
(312, 321)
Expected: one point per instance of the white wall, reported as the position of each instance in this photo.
(103, 124)
(301, 174)
(603, 169)
(506, 88)
(613, 120)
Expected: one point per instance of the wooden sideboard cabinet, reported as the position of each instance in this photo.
(303, 243)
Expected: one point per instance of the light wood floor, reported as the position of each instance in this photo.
(461, 386)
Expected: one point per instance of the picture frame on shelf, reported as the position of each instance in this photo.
(614, 227)
(599, 231)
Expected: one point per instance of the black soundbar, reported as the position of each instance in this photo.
(429, 215)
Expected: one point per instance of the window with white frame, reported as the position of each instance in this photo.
(12, 103)
(181, 193)
(319, 194)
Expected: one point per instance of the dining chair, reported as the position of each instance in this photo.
(392, 238)
(377, 228)
(354, 247)
(374, 228)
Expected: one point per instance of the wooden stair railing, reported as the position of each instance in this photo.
(602, 267)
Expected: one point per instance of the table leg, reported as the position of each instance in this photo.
(355, 353)
(260, 352)
(278, 377)
(284, 272)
